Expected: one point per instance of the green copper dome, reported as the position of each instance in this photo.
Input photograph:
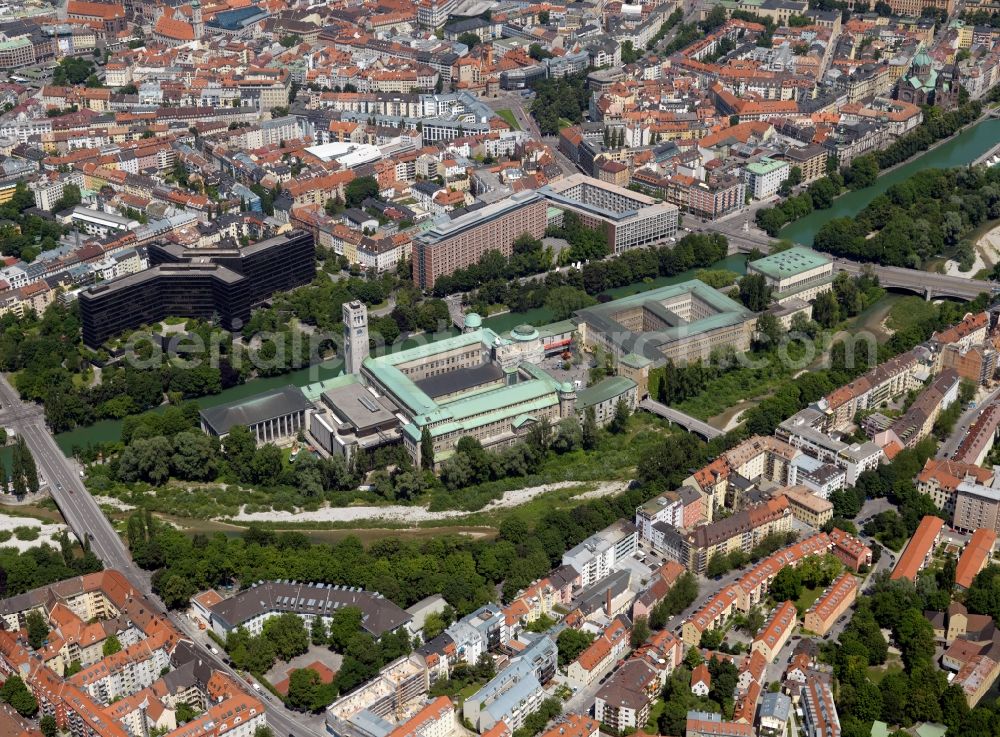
(524, 333)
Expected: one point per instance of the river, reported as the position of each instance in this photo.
(961, 150)
(109, 431)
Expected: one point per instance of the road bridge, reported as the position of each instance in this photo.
(927, 284)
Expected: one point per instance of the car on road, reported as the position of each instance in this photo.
(58, 486)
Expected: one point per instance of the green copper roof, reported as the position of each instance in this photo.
(609, 388)
(789, 263)
(315, 390)
(523, 332)
(765, 166)
(484, 336)
(602, 317)
(634, 360)
(556, 328)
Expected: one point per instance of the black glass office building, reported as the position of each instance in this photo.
(222, 283)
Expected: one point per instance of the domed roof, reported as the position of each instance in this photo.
(524, 332)
(473, 320)
(566, 387)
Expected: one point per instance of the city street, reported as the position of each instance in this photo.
(962, 425)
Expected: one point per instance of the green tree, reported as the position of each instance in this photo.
(38, 629)
(754, 292)
(619, 422)
(317, 632)
(360, 189)
(915, 636)
(72, 70)
(185, 712)
(571, 642)
(426, 449)
(24, 473)
(640, 631)
(344, 624)
(470, 39)
(70, 198)
(717, 565)
(48, 726)
(715, 18)
(434, 625)
(111, 646)
(564, 301)
(15, 693)
(239, 448)
(712, 639)
(826, 310)
(194, 457)
(288, 635)
(307, 692)
(145, 459)
(768, 330)
(538, 52)
(589, 429)
(787, 585)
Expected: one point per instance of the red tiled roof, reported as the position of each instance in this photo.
(974, 557)
(920, 545)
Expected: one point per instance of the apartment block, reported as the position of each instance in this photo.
(601, 655)
(977, 555)
(623, 702)
(460, 242)
(743, 530)
(252, 607)
(627, 219)
(776, 631)
(807, 507)
(883, 383)
(681, 509)
(850, 550)
(596, 556)
(831, 604)
(919, 549)
(516, 691)
(222, 283)
(940, 479)
(797, 273)
(819, 711)
(977, 506)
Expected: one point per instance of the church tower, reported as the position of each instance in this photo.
(355, 336)
(196, 21)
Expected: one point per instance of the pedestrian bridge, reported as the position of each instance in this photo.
(689, 423)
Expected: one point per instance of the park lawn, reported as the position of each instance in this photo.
(877, 672)
(508, 116)
(807, 598)
(654, 716)
(910, 311)
(468, 691)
